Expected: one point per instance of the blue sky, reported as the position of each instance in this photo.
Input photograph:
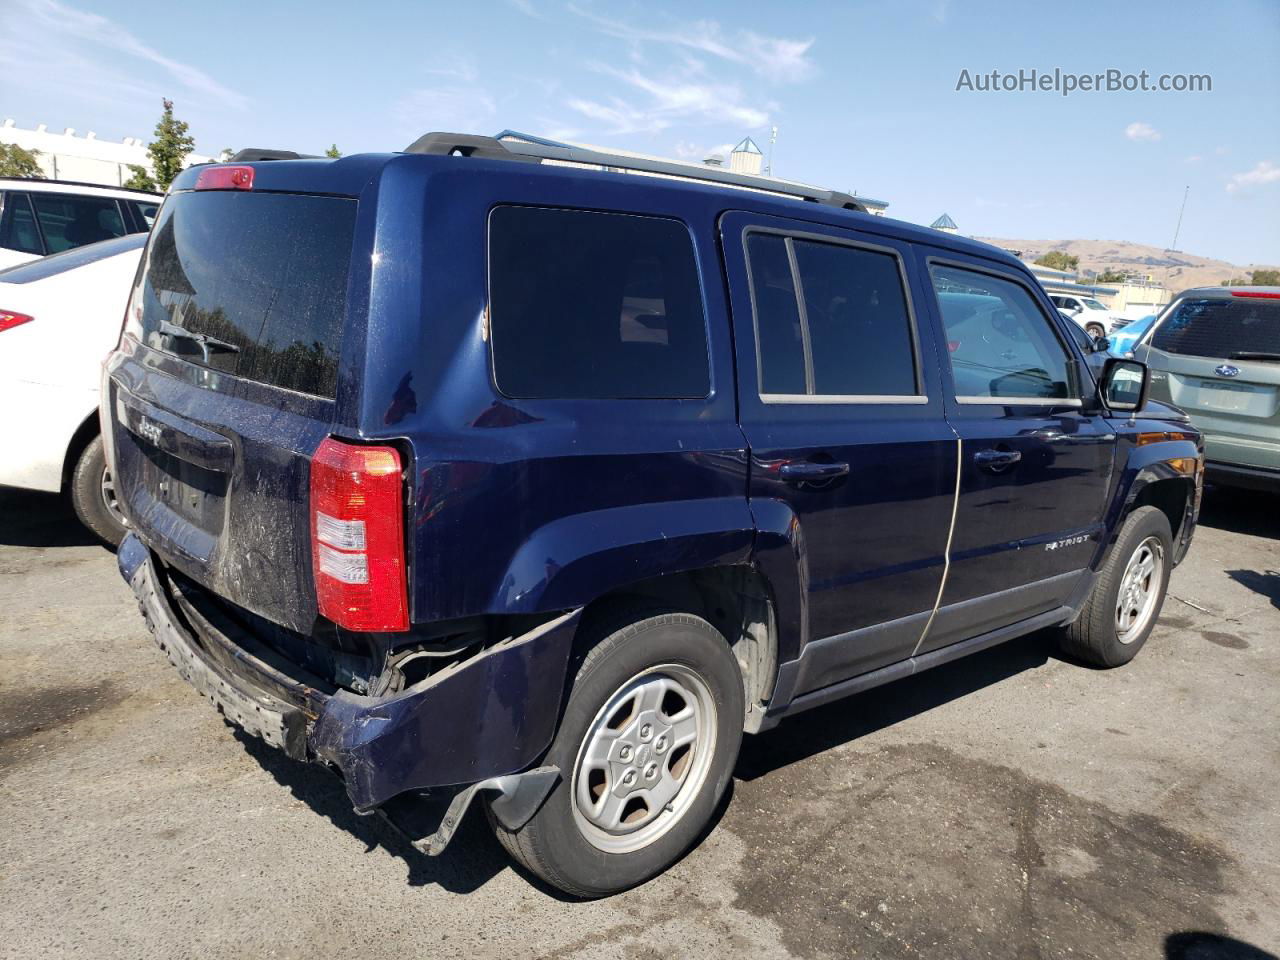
(864, 94)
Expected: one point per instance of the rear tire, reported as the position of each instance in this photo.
(93, 495)
(646, 747)
(1125, 603)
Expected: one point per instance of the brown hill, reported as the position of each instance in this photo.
(1172, 268)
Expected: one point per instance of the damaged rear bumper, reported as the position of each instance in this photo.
(474, 726)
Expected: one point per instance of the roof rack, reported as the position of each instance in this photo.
(250, 154)
(469, 145)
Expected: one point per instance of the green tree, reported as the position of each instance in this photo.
(1110, 276)
(140, 179)
(170, 147)
(333, 152)
(15, 161)
(1265, 278)
(1057, 260)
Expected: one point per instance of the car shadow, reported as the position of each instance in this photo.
(32, 519)
(842, 721)
(1250, 512)
(472, 859)
(1200, 945)
(1263, 582)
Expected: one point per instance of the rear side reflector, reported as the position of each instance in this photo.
(225, 178)
(9, 319)
(357, 536)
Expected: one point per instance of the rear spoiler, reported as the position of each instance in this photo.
(250, 154)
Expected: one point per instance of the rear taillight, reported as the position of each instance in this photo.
(225, 178)
(10, 319)
(357, 536)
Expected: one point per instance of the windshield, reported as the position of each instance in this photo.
(57, 263)
(1221, 327)
(1094, 305)
(252, 284)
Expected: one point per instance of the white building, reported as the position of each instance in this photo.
(65, 156)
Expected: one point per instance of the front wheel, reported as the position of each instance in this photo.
(1125, 603)
(646, 748)
(93, 495)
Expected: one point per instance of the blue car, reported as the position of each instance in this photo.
(475, 477)
(1122, 341)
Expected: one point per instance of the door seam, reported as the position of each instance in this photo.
(946, 553)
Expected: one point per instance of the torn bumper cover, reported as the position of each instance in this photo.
(474, 726)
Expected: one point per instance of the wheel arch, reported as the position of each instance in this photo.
(89, 428)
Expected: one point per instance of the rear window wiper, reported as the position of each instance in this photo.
(207, 343)
(1253, 355)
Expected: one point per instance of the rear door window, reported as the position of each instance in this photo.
(847, 334)
(253, 284)
(1000, 343)
(18, 229)
(144, 212)
(595, 305)
(1220, 327)
(69, 220)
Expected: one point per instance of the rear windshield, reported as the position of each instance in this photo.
(57, 263)
(1222, 328)
(252, 284)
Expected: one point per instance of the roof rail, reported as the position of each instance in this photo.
(468, 145)
(249, 154)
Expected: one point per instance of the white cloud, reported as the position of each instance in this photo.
(940, 11)
(777, 58)
(526, 7)
(691, 151)
(1265, 172)
(1195, 158)
(667, 103)
(83, 52)
(1142, 132)
(444, 108)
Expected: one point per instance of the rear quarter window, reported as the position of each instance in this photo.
(595, 305)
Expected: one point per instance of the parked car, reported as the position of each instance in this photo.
(1095, 318)
(1121, 343)
(59, 317)
(40, 217)
(460, 472)
(1215, 352)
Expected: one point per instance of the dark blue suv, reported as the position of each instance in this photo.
(465, 473)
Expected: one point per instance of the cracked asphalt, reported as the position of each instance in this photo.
(1009, 805)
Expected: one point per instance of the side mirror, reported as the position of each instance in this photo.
(1101, 344)
(1124, 384)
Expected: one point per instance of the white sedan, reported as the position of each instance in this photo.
(59, 317)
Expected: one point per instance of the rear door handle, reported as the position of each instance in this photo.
(996, 461)
(796, 471)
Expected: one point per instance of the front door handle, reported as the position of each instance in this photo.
(796, 471)
(996, 461)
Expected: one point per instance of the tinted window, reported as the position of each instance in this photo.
(859, 332)
(594, 305)
(1221, 328)
(854, 331)
(145, 212)
(18, 226)
(68, 220)
(999, 342)
(253, 284)
(779, 338)
(57, 263)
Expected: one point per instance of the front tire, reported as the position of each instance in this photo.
(646, 747)
(93, 495)
(1125, 603)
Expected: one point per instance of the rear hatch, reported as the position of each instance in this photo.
(225, 383)
(1218, 358)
